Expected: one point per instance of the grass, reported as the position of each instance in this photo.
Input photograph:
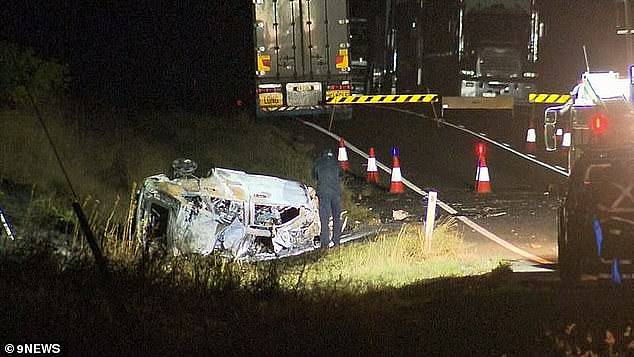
(398, 259)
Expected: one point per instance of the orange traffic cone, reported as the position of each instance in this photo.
(396, 184)
(373, 172)
(483, 181)
(531, 138)
(343, 156)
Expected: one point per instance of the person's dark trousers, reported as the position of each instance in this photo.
(329, 205)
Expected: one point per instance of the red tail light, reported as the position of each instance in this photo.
(342, 86)
(269, 89)
(599, 124)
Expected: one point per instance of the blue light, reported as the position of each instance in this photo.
(598, 235)
(395, 151)
(616, 273)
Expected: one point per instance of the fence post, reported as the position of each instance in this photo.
(432, 197)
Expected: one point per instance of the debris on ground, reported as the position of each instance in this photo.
(399, 214)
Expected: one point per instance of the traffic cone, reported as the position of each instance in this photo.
(396, 183)
(559, 133)
(373, 172)
(483, 181)
(531, 138)
(566, 141)
(343, 156)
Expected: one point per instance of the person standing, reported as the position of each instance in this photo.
(328, 175)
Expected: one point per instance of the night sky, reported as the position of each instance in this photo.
(569, 25)
(198, 54)
(172, 53)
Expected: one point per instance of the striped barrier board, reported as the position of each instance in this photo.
(549, 98)
(291, 109)
(385, 99)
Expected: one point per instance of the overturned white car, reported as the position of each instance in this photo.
(242, 215)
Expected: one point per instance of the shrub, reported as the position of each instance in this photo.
(22, 69)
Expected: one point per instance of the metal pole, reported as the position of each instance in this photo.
(585, 56)
(81, 217)
(8, 228)
(628, 34)
(332, 117)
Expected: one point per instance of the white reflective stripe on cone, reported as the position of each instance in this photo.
(531, 136)
(559, 132)
(343, 154)
(484, 174)
(396, 175)
(567, 140)
(477, 172)
(372, 164)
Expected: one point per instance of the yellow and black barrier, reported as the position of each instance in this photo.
(384, 99)
(548, 98)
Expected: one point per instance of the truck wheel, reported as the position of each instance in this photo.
(568, 264)
(568, 268)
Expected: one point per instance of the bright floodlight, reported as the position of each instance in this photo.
(608, 85)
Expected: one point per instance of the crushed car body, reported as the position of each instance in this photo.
(241, 215)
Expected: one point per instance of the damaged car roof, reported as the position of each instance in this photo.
(274, 190)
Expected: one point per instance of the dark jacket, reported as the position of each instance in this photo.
(328, 175)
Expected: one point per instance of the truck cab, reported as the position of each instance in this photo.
(465, 48)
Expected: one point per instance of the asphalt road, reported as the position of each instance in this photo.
(520, 210)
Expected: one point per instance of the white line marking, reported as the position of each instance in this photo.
(505, 144)
(483, 137)
(442, 204)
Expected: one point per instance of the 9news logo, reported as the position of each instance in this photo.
(33, 348)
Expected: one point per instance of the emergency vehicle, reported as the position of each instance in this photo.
(596, 219)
